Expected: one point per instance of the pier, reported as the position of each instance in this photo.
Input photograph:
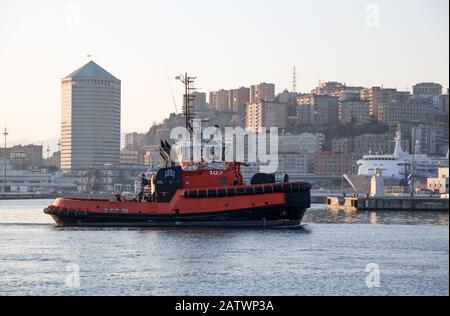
(388, 203)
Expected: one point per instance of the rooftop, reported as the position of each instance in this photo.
(91, 70)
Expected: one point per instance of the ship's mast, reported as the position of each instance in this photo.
(188, 97)
(188, 109)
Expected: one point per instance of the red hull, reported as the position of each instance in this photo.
(258, 205)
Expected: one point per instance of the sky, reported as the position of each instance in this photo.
(226, 44)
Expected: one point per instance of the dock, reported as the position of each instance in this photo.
(388, 203)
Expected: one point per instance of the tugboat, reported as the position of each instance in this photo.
(193, 195)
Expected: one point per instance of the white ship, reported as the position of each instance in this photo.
(398, 165)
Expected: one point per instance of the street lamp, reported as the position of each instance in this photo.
(5, 133)
(59, 166)
(416, 145)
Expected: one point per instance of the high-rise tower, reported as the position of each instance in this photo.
(90, 124)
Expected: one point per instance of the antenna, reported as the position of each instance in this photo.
(171, 90)
(294, 80)
(59, 163)
(189, 96)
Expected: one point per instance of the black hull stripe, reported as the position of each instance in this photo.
(205, 224)
(257, 217)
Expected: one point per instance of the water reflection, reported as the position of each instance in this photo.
(314, 259)
(322, 216)
(373, 218)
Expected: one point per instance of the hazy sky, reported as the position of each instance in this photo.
(225, 43)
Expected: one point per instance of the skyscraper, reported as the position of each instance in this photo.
(90, 123)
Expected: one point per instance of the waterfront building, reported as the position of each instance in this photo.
(408, 109)
(265, 114)
(262, 92)
(235, 100)
(439, 184)
(24, 156)
(425, 138)
(440, 129)
(305, 143)
(317, 109)
(442, 137)
(287, 97)
(133, 141)
(329, 163)
(220, 100)
(290, 100)
(444, 106)
(367, 143)
(53, 162)
(356, 111)
(329, 88)
(38, 181)
(432, 92)
(427, 89)
(352, 109)
(377, 97)
(90, 125)
(111, 178)
(153, 156)
(296, 155)
(128, 157)
(342, 145)
(199, 102)
(376, 143)
(296, 165)
(239, 99)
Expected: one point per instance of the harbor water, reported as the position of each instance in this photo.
(333, 253)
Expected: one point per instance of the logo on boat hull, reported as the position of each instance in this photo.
(169, 174)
